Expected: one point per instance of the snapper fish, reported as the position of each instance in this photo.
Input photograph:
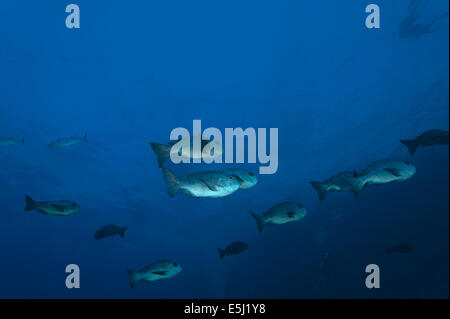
(159, 270)
(69, 141)
(382, 172)
(428, 138)
(7, 141)
(109, 230)
(211, 184)
(340, 182)
(233, 249)
(208, 150)
(282, 213)
(55, 208)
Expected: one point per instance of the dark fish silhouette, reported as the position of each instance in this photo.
(109, 230)
(401, 248)
(428, 138)
(233, 249)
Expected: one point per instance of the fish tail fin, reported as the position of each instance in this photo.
(357, 186)
(412, 145)
(122, 232)
(85, 137)
(133, 275)
(162, 152)
(221, 253)
(173, 185)
(320, 188)
(388, 250)
(30, 203)
(259, 221)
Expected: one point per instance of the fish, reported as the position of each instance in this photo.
(211, 184)
(282, 213)
(427, 138)
(246, 179)
(159, 270)
(109, 230)
(55, 208)
(234, 248)
(7, 141)
(162, 151)
(65, 142)
(382, 172)
(400, 248)
(340, 182)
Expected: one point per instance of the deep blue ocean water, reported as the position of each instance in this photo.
(341, 95)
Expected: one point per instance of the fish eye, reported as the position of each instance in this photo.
(231, 178)
(251, 174)
(175, 264)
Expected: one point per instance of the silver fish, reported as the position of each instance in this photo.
(159, 270)
(65, 142)
(212, 184)
(162, 151)
(55, 208)
(282, 213)
(7, 141)
(337, 183)
(382, 172)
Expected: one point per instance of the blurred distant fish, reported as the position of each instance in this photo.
(109, 230)
(246, 179)
(382, 172)
(212, 184)
(56, 208)
(337, 183)
(65, 142)
(7, 141)
(158, 270)
(428, 138)
(162, 151)
(280, 214)
(403, 248)
(233, 249)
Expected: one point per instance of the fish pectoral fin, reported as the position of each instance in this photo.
(393, 171)
(290, 214)
(212, 187)
(161, 273)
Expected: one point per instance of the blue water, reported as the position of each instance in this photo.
(341, 95)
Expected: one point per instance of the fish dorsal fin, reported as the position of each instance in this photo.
(394, 171)
(209, 185)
